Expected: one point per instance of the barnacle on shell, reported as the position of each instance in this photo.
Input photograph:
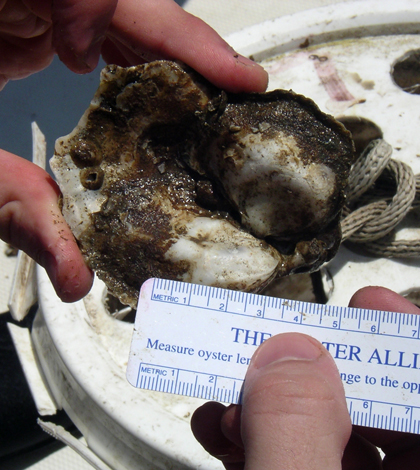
(167, 176)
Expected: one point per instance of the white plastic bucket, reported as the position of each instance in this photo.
(83, 352)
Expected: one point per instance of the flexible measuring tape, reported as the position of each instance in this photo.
(197, 341)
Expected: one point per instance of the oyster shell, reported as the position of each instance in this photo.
(167, 176)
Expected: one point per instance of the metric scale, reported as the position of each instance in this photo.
(197, 341)
(82, 351)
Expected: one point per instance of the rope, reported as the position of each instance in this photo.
(381, 192)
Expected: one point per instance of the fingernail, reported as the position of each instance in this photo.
(91, 57)
(3, 81)
(81, 60)
(286, 347)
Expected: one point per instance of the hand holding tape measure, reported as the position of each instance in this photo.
(294, 410)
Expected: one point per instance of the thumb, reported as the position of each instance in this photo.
(79, 29)
(294, 412)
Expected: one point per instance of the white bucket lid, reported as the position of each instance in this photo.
(83, 351)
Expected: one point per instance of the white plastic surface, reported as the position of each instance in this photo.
(83, 355)
(22, 340)
(84, 358)
(8, 266)
(362, 70)
(58, 432)
(23, 292)
(362, 67)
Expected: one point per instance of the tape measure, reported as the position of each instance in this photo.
(197, 341)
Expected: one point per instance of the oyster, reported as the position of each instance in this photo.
(167, 176)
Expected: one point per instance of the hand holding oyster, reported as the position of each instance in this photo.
(167, 176)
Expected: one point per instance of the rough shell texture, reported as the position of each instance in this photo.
(167, 176)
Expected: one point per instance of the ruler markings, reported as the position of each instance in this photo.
(263, 309)
(189, 293)
(227, 303)
(195, 386)
(245, 303)
(372, 320)
(233, 308)
(409, 419)
(368, 415)
(399, 324)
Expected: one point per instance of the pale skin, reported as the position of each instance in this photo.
(127, 32)
(294, 414)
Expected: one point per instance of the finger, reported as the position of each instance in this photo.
(40, 8)
(161, 29)
(113, 53)
(25, 40)
(294, 411)
(380, 298)
(3, 81)
(402, 449)
(206, 427)
(18, 19)
(361, 454)
(79, 30)
(31, 220)
(121, 55)
(21, 57)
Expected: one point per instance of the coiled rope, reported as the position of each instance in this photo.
(381, 192)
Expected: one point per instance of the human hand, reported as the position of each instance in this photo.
(126, 32)
(31, 220)
(294, 413)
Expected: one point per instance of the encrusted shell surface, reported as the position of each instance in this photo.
(167, 176)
